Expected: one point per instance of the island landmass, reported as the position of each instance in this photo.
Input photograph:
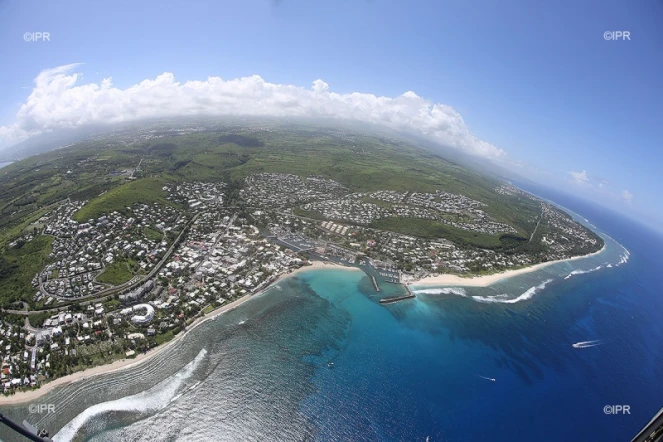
(114, 246)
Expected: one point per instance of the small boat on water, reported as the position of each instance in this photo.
(586, 344)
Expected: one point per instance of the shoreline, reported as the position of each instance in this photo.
(487, 280)
(122, 364)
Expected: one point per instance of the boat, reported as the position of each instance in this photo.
(585, 344)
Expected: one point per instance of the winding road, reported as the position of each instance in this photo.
(106, 293)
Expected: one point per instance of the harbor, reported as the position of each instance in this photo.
(393, 299)
(338, 255)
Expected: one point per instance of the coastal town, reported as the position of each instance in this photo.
(121, 283)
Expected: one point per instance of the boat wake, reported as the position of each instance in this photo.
(529, 293)
(442, 291)
(152, 400)
(488, 379)
(587, 344)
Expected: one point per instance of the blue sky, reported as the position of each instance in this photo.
(536, 79)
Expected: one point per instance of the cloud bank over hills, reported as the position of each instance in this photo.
(59, 100)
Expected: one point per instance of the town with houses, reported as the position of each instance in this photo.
(127, 281)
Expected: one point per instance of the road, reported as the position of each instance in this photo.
(134, 171)
(106, 293)
(45, 292)
(537, 225)
(218, 238)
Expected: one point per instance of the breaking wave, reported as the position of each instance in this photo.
(529, 293)
(442, 291)
(582, 272)
(154, 399)
(624, 258)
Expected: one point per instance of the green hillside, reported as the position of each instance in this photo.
(99, 171)
(118, 171)
(145, 191)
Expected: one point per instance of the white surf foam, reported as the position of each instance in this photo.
(529, 293)
(177, 396)
(624, 258)
(582, 272)
(442, 291)
(154, 399)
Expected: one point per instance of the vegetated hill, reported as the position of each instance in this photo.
(106, 172)
(18, 265)
(144, 190)
(360, 161)
(241, 140)
(430, 229)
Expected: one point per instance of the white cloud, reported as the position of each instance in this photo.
(597, 188)
(627, 196)
(579, 177)
(59, 100)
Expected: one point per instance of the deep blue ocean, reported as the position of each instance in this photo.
(318, 358)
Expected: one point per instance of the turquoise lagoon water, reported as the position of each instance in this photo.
(318, 358)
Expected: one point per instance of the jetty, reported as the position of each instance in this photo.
(375, 282)
(392, 299)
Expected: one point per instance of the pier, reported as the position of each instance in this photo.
(392, 299)
(375, 283)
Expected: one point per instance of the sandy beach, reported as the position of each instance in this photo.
(122, 364)
(318, 265)
(485, 281)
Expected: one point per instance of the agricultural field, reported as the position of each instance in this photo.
(115, 172)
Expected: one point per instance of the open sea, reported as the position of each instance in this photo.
(318, 358)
